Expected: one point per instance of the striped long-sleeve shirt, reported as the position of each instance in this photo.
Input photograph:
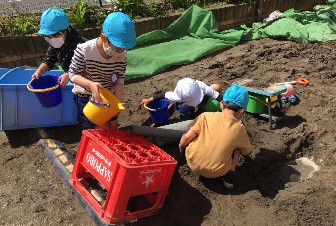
(88, 63)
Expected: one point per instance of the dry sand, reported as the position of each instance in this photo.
(288, 180)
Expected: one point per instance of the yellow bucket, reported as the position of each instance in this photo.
(100, 112)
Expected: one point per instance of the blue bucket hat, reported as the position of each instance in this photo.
(52, 21)
(237, 95)
(120, 30)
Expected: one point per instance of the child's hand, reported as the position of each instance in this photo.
(64, 79)
(36, 75)
(146, 101)
(94, 87)
(182, 150)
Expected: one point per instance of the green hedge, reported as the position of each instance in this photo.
(82, 15)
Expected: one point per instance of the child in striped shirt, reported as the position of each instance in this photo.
(101, 63)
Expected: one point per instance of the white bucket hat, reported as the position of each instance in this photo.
(188, 91)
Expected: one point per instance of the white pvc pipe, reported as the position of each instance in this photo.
(164, 134)
(156, 132)
(178, 126)
(181, 126)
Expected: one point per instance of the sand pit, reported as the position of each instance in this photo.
(278, 184)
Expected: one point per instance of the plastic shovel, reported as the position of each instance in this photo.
(301, 81)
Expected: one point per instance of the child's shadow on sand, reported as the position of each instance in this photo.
(184, 204)
(27, 137)
(268, 171)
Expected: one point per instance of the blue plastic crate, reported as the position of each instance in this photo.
(21, 109)
(3, 71)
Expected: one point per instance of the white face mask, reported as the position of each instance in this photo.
(108, 50)
(55, 42)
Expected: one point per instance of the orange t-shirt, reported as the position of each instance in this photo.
(210, 153)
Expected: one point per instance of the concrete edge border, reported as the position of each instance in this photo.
(65, 174)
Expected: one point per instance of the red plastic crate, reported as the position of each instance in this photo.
(134, 174)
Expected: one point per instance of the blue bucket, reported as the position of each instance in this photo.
(47, 90)
(158, 111)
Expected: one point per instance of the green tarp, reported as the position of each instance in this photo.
(304, 27)
(195, 34)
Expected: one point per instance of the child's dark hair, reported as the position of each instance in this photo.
(231, 106)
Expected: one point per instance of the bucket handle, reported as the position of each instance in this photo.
(260, 101)
(99, 103)
(149, 109)
(41, 90)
